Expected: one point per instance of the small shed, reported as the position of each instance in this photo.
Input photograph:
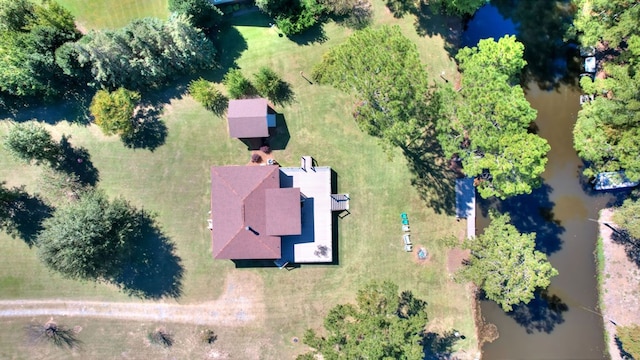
(250, 118)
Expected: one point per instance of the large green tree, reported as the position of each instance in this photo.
(88, 239)
(382, 69)
(113, 111)
(31, 142)
(627, 217)
(292, 16)
(29, 36)
(609, 21)
(207, 95)
(381, 325)
(203, 13)
(146, 53)
(488, 122)
(505, 264)
(457, 7)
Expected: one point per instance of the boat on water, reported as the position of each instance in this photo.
(613, 180)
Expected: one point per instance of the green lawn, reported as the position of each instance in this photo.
(98, 14)
(173, 181)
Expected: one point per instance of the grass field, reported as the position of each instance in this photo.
(100, 14)
(173, 181)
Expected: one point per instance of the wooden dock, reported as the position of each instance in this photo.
(466, 204)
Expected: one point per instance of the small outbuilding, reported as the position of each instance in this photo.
(250, 118)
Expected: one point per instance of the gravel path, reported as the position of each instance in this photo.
(238, 305)
(619, 291)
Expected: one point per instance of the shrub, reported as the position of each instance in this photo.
(208, 336)
(237, 85)
(207, 95)
(161, 337)
(31, 143)
(265, 149)
(113, 111)
(53, 333)
(256, 158)
(268, 83)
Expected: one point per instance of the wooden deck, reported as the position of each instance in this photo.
(466, 204)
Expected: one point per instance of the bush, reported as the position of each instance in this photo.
(203, 13)
(208, 336)
(207, 95)
(161, 337)
(237, 85)
(31, 143)
(268, 83)
(113, 111)
(265, 149)
(53, 333)
(256, 158)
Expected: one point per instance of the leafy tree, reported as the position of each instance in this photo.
(381, 325)
(268, 83)
(627, 217)
(609, 21)
(205, 93)
(90, 238)
(356, 14)
(237, 85)
(146, 53)
(382, 69)
(292, 16)
(113, 111)
(203, 13)
(505, 264)
(630, 338)
(487, 126)
(16, 15)
(30, 142)
(457, 7)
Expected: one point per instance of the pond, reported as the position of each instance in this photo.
(562, 322)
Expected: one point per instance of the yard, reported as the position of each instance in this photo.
(173, 181)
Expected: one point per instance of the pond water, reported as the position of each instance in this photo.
(562, 322)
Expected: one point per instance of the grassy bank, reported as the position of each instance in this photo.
(173, 181)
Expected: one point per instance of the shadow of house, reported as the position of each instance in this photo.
(272, 213)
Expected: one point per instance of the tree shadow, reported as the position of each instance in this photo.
(279, 136)
(631, 245)
(623, 353)
(428, 23)
(250, 17)
(531, 213)
(311, 36)
(230, 48)
(542, 314)
(150, 131)
(435, 184)
(24, 215)
(77, 160)
(544, 29)
(152, 270)
(72, 106)
(284, 95)
(439, 347)
(400, 8)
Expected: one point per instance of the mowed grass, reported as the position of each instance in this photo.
(174, 180)
(100, 14)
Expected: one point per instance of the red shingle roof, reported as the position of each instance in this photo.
(247, 118)
(249, 210)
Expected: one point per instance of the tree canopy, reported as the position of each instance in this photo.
(292, 16)
(113, 111)
(89, 238)
(458, 7)
(505, 264)
(146, 53)
(382, 69)
(487, 127)
(31, 142)
(607, 129)
(203, 13)
(30, 33)
(207, 95)
(381, 325)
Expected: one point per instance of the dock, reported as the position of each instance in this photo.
(466, 204)
(613, 180)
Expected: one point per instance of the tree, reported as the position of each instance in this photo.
(457, 7)
(268, 83)
(487, 125)
(505, 264)
(89, 239)
(58, 335)
(381, 325)
(30, 142)
(237, 85)
(207, 95)
(203, 13)
(113, 111)
(146, 53)
(292, 16)
(630, 338)
(608, 21)
(382, 69)
(627, 217)
(356, 14)
(16, 15)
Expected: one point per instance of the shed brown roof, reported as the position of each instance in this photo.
(247, 118)
(249, 210)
